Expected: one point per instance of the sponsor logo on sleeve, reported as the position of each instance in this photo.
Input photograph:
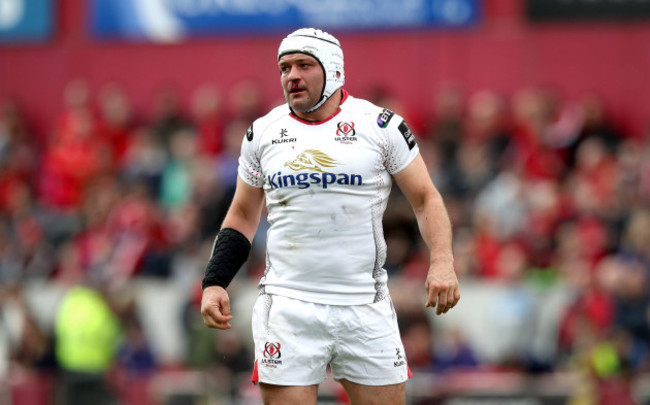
(249, 133)
(407, 134)
(384, 117)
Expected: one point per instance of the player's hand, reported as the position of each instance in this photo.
(215, 308)
(442, 287)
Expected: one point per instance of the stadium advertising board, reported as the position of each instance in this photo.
(547, 10)
(174, 20)
(26, 20)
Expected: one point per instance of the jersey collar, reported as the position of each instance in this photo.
(344, 96)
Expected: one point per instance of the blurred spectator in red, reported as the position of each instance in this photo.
(115, 121)
(75, 154)
(245, 102)
(499, 215)
(592, 311)
(532, 149)
(91, 248)
(418, 341)
(580, 245)
(137, 235)
(487, 245)
(543, 218)
(209, 119)
(77, 110)
(121, 234)
(599, 173)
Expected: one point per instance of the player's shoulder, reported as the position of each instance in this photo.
(380, 116)
(275, 114)
(261, 124)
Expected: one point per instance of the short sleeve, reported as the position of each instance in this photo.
(402, 146)
(250, 170)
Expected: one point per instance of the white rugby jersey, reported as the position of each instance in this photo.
(326, 187)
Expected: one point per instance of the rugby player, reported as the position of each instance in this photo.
(323, 163)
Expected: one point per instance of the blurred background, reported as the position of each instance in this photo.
(120, 127)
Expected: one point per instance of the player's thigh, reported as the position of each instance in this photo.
(289, 395)
(292, 344)
(394, 394)
(369, 349)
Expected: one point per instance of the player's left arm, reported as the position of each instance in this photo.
(441, 284)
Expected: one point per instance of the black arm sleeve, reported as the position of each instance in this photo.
(230, 251)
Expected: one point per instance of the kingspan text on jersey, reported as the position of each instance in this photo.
(306, 180)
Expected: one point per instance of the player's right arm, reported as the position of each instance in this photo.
(245, 210)
(243, 216)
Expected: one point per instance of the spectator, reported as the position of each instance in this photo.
(115, 123)
(167, 116)
(209, 120)
(87, 337)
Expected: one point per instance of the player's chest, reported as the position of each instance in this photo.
(337, 146)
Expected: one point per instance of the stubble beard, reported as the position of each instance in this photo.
(300, 106)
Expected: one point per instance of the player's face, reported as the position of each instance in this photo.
(302, 80)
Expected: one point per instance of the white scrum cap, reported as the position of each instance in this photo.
(327, 51)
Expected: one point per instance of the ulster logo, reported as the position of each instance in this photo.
(345, 129)
(272, 354)
(345, 132)
(272, 350)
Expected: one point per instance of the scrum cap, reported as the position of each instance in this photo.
(327, 51)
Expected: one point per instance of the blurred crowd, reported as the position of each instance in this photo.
(543, 192)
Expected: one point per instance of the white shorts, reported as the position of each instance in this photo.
(296, 340)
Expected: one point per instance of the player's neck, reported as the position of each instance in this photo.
(325, 111)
